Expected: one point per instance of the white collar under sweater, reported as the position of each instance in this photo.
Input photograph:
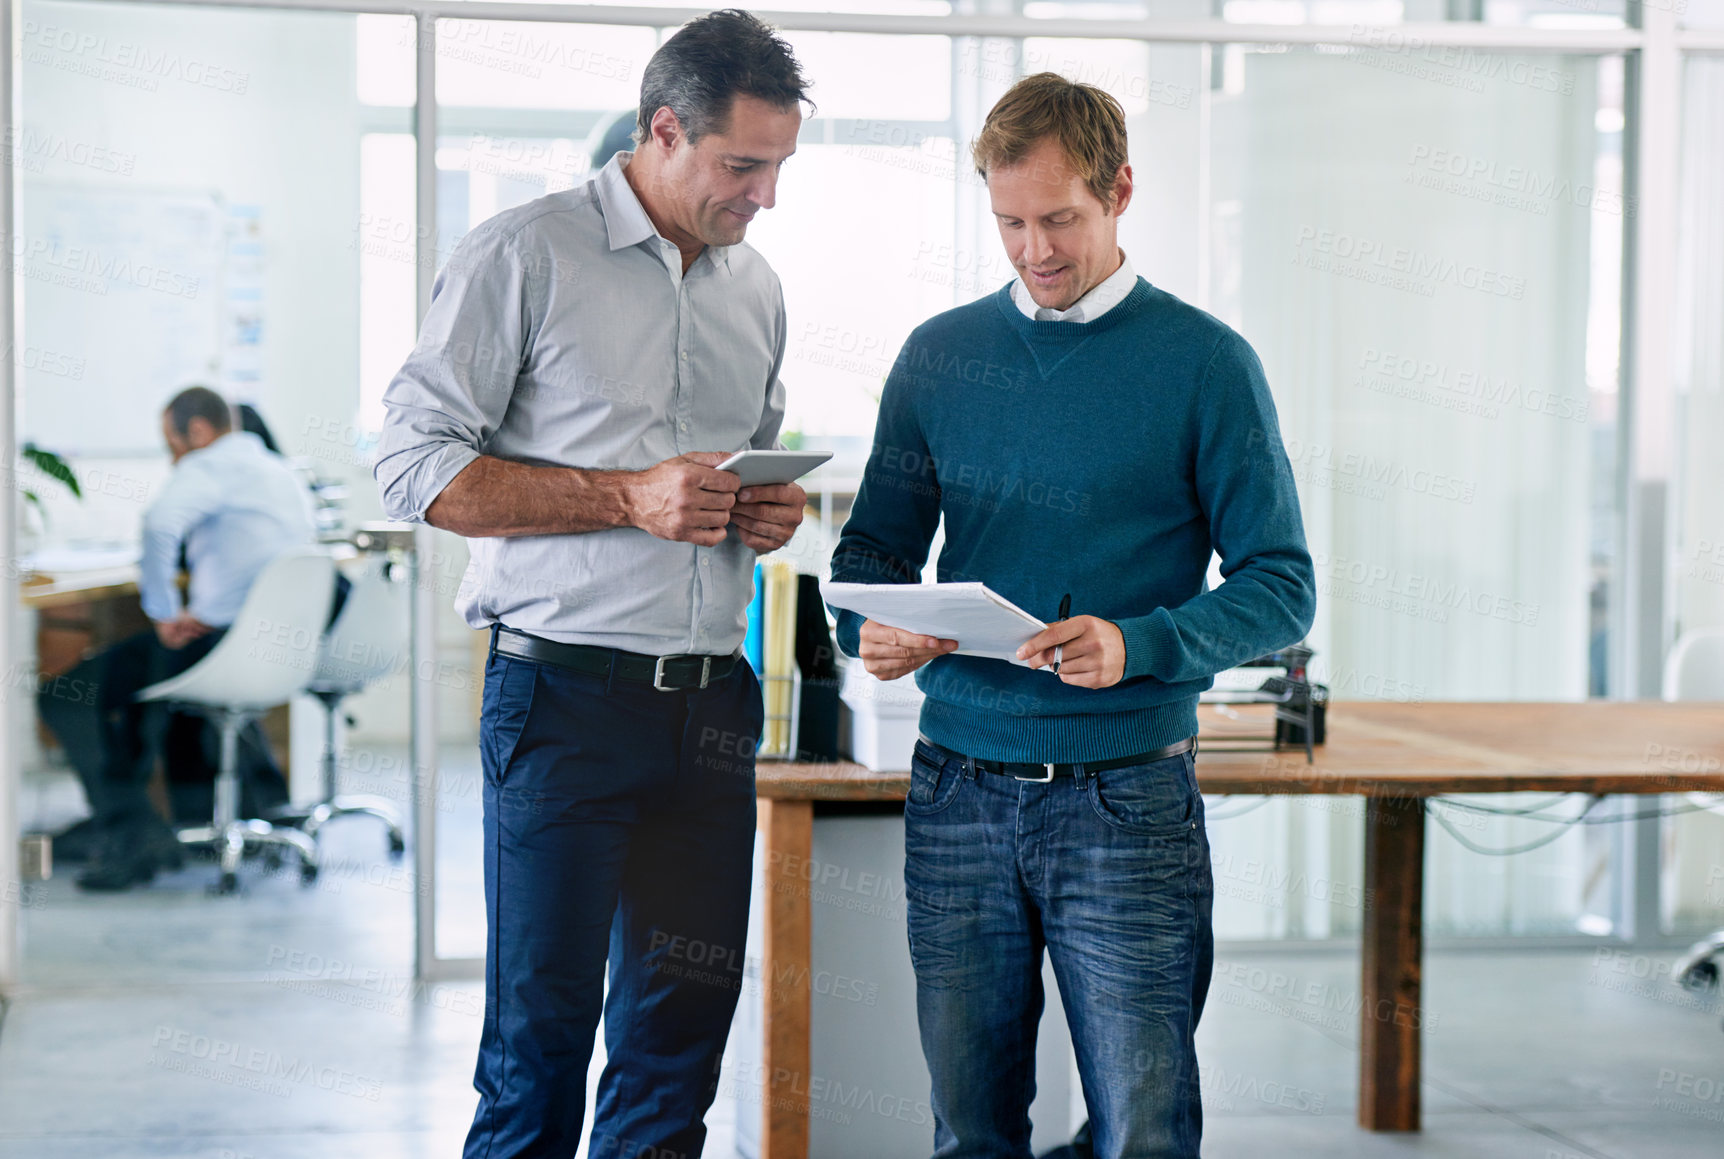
(1104, 296)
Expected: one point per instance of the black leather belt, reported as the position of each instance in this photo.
(1043, 773)
(665, 673)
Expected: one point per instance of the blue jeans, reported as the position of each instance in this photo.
(619, 828)
(1108, 871)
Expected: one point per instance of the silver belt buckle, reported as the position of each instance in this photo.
(1048, 765)
(658, 673)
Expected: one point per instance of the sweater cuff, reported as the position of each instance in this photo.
(1151, 644)
(849, 634)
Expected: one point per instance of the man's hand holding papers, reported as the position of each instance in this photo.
(907, 625)
(889, 653)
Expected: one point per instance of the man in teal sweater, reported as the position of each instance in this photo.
(1084, 435)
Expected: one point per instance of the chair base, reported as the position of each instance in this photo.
(1698, 969)
(312, 818)
(230, 842)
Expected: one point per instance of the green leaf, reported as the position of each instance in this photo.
(53, 466)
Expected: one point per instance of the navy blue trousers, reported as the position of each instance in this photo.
(619, 829)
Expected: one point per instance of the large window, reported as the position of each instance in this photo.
(1693, 842)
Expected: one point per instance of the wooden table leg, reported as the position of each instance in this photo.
(787, 829)
(1392, 960)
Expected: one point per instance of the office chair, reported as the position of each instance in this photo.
(1695, 671)
(267, 656)
(366, 642)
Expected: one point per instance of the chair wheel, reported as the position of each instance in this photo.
(1701, 976)
(229, 883)
(397, 845)
(307, 874)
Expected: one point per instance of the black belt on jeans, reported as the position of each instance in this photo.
(665, 673)
(1047, 772)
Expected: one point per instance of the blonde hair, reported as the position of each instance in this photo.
(1087, 122)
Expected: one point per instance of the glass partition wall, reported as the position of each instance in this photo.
(1416, 212)
(190, 183)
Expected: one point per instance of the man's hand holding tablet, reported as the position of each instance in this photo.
(769, 506)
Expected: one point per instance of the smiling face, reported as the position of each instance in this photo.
(707, 192)
(1059, 236)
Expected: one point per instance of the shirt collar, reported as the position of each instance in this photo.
(1102, 297)
(626, 220)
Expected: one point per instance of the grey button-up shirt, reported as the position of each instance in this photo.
(564, 332)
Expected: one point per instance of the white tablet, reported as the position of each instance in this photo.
(764, 468)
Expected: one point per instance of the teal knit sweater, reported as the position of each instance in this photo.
(1106, 459)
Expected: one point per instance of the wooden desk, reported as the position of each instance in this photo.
(80, 611)
(79, 587)
(1394, 755)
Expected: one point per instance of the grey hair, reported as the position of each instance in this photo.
(709, 62)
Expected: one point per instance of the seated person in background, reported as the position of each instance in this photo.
(232, 507)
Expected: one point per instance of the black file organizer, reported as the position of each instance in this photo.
(1300, 705)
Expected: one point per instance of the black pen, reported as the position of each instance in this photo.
(1059, 649)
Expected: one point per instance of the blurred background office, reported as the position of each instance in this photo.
(1478, 245)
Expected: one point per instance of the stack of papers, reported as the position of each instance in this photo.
(983, 622)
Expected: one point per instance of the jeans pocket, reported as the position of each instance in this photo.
(934, 780)
(1157, 799)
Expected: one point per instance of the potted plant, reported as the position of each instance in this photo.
(33, 513)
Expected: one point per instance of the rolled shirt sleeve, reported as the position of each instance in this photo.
(448, 399)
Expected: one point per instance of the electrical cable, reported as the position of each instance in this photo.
(1564, 824)
(1610, 820)
(1536, 843)
(1499, 811)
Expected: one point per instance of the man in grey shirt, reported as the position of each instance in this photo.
(586, 362)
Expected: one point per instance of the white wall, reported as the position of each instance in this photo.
(287, 143)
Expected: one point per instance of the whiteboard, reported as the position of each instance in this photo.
(123, 306)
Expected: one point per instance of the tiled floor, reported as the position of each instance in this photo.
(284, 1024)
